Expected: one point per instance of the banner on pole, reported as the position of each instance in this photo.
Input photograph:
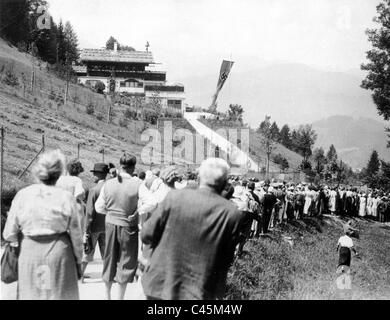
(223, 75)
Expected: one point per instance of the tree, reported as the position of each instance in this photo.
(319, 160)
(373, 165)
(235, 112)
(264, 125)
(100, 87)
(267, 142)
(126, 48)
(305, 139)
(15, 23)
(331, 155)
(281, 161)
(61, 50)
(285, 136)
(275, 133)
(378, 77)
(71, 43)
(110, 43)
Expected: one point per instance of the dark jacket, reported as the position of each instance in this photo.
(95, 221)
(194, 234)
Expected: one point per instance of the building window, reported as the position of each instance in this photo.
(176, 104)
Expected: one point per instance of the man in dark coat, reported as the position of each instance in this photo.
(95, 231)
(194, 234)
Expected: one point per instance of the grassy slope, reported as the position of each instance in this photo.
(26, 117)
(275, 269)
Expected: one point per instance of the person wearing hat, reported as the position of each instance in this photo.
(95, 231)
(269, 201)
(122, 200)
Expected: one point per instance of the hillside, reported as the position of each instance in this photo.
(26, 116)
(354, 138)
(289, 93)
(299, 261)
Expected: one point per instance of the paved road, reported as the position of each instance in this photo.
(92, 289)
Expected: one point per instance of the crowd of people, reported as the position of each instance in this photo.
(178, 232)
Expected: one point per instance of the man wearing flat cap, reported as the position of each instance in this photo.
(95, 230)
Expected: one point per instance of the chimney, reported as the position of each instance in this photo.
(115, 47)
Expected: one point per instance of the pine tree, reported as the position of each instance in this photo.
(110, 43)
(71, 43)
(331, 155)
(15, 21)
(373, 165)
(319, 160)
(275, 133)
(285, 136)
(61, 49)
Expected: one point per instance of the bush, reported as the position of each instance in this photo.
(281, 161)
(90, 109)
(99, 117)
(123, 123)
(150, 116)
(10, 79)
(100, 87)
(52, 95)
(130, 114)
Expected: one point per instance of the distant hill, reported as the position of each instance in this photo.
(354, 138)
(289, 93)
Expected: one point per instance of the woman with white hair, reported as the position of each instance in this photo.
(45, 216)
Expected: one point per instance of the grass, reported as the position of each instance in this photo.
(274, 269)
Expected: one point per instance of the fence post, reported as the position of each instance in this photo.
(1, 170)
(78, 150)
(43, 143)
(103, 155)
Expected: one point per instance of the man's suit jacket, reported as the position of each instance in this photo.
(194, 234)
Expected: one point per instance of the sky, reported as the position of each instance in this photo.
(191, 38)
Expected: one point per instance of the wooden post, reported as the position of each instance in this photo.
(1, 169)
(43, 143)
(67, 80)
(32, 76)
(78, 150)
(103, 155)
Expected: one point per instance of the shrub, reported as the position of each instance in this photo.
(11, 79)
(90, 109)
(99, 117)
(281, 161)
(52, 95)
(100, 87)
(123, 123)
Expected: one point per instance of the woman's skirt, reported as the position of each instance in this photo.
(47, 269)
(345, 256)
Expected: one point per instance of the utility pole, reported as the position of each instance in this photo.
(1, 170)
(33, 68)
(67, 78)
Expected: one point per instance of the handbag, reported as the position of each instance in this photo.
(9, 264)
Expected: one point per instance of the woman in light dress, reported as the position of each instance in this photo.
(332, 201)
(369, 205)
(362, 205)
(72, 183)
(309, 196)
(375, 200)
(51, 248)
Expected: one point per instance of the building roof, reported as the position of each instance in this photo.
(116, 56)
